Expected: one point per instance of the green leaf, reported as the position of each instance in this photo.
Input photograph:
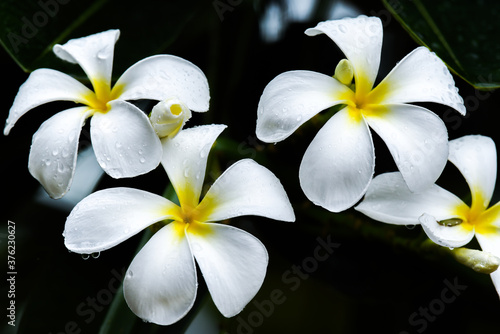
(463, 33)
(29, 29)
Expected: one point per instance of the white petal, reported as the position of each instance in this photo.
(291, 99)
(360, 39)
(160, 284)
(165, 76)
(246, 188)
(420, 77)
(476, 158)
(93, 53)
(389, 200)
(417, 140)
(447, 236)
(491, 243)
(43, 86)
(185, 160)
(54, 149)
(233, 263)
(339, 163)
(107, 217)
(124, 141)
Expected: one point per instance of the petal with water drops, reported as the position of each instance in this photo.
(338, 165)
(389, 200)
(420, 77)
(360, 39)
(447, 236)
(43, 86)
(246, 188)
(54, 150)
(417, 140)
(476, 158)
(165, 76)
(292, 98)
(160, 284)
(233, 263)
(107, 217)
(93, 53)
(124, 141)
(185, 160)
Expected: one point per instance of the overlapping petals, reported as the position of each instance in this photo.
(353, 147)
(389, 200)
(160, 284)
(124, 140)
(417, 138)
(445, 218)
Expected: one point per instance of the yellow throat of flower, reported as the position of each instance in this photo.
(361, 98)
(477, 216)
(98, 99)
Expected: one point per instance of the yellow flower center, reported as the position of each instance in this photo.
(477, 217)
(98, 99)
(189, 215)
(361, 99)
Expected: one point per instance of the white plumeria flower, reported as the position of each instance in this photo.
(445, 218)
(123, 139)
(339, 163)
(160, 284)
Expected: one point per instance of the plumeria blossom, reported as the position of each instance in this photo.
(160, 284)
(123, 139)
(445, 218)
(338, 165)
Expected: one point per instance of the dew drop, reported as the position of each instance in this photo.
(95, 255)
(60, 167)
(85, 256)
(342, 28)
(102, 54)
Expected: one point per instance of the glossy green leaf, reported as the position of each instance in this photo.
(464, 33)
(29, 29)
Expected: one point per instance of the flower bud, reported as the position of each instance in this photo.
(344, 72)
(169, 116)
(480, 261)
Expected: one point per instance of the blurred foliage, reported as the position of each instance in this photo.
(377, 278)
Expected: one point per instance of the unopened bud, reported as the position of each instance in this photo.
(169, 116)
(482, 262)
(344, 72)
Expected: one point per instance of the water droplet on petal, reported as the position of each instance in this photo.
(85, 256)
